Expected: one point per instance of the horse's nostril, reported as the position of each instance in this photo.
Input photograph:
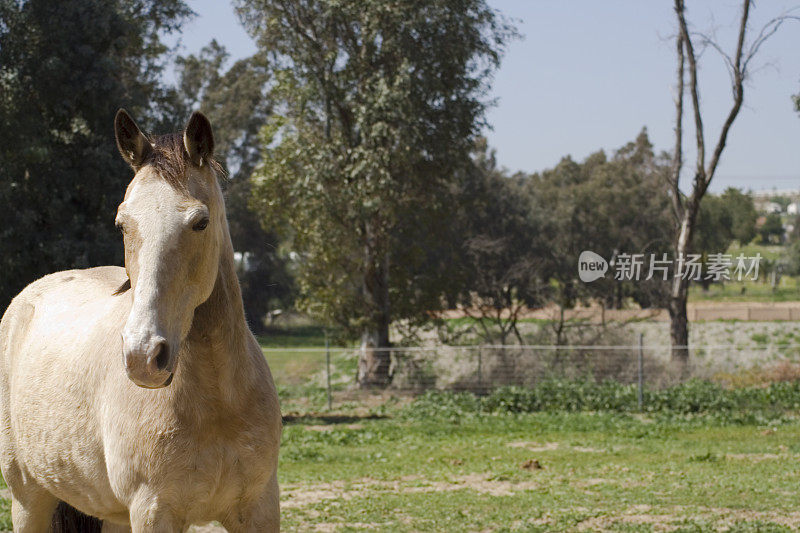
(162, 355)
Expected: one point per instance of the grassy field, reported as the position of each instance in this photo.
(787, 290)
(537, 472)
(463, 463)
(297, 353)
(540, 472)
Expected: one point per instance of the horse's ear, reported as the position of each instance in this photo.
(131, 142)
(198, 139)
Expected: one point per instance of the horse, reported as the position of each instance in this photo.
(138, 396)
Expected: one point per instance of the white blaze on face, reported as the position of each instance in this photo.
(171, 254)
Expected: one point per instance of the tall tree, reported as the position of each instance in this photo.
(686, 207)
(605, 205)
(65, 68)
(380, 106)
(743, 214)
(503, 261)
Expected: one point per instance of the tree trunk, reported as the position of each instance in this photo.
(679, 295)
(679, 329)
(375, 359)
(705, 283)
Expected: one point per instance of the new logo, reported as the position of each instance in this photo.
(591, 266)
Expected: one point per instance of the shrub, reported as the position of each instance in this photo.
(691, 397)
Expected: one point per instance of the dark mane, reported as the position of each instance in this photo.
(123, 288)
(170, 159)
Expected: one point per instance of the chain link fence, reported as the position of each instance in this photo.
(482, 368)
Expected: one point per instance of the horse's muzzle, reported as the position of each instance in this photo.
(149, 363)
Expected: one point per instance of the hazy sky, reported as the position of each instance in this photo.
(588, 75)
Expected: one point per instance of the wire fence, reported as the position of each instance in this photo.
(482, 368)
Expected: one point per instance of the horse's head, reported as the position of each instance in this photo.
(173, 222)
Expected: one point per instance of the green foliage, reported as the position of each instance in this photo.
(714, 228)
(724, 218)
(690, 398)
(721, 220)
(791, 259)
(65, 69)
(502, 266)
(371, 130)
(609, 206)
(772, 229)
(743, 214)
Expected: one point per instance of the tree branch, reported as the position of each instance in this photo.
(738, 96)
(700, 177)
(677, 159)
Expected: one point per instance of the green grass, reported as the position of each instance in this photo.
(307, 336)
(770, 252)
(608, 471)
(296, 354)
(451, 462)
(788, 290)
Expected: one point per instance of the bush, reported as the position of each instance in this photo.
(691, 397)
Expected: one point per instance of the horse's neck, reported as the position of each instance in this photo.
(216, 349)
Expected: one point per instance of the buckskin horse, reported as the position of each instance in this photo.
(137, 398)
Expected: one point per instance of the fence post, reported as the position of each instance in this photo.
(641, 369)
(328, 369)
(480, 370)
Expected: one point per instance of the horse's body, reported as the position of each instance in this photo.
(196, 446)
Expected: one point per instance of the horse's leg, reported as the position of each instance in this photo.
(147, 516)
(263, 515)
(32, 509)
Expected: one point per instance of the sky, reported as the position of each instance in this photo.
(588, 75)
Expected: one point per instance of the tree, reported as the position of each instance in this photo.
(606, 206)
(772, 227)
(380, 104)
(65, 69)
(686, 208)
(237, 102)
(503, 258)
(743, 214)
(713, 232)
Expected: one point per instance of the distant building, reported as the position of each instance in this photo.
(793, 208)
(772, 207)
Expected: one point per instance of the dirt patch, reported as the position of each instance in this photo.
(329, 527)
(587, 449)
(591, 482)
(304, 495)
(534, 446)
(330, 427)
(757, 457)
(668, 519)
(551, 446)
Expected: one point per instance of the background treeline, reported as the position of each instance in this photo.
(361, 191)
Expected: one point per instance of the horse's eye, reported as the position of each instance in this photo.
(200, 225)
(120, 227)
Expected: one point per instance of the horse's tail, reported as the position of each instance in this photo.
(69, 520)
